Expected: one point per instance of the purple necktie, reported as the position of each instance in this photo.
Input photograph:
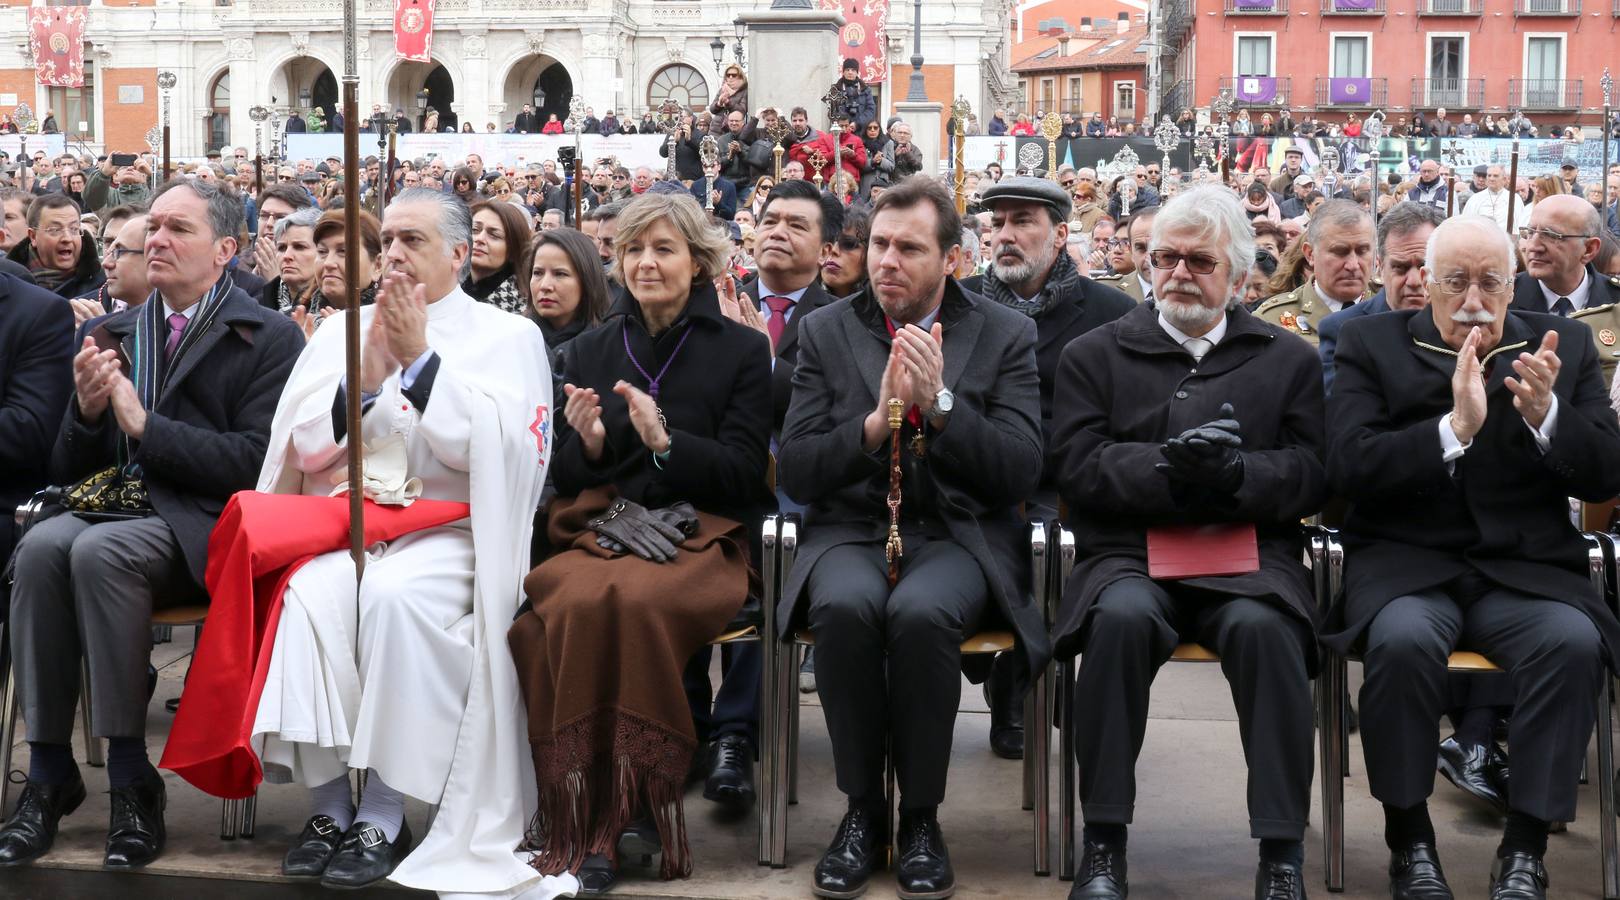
(177, 327)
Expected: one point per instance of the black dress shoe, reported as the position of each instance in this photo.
(1518, 876)
(923, 868)
(730, 782)
(316, 844)
(639, 841)
(596, 875)
(31, 830)
(1496, 770)
(1415, 874)
(1006, 708)
(1464, 765)
(135, 835)
(1279, 881)
(1101, 875)
(845, 868)
(365, 856)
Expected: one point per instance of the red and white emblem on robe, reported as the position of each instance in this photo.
(541, 429)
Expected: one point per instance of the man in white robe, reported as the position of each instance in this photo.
(410, 678)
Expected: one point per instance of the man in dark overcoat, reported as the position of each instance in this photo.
(1191, 412)
(1459, 433)
(177, 394)
(1031, 274)
(969, 447)
(36, 371)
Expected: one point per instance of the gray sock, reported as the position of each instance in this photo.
(335, 799)
(382, 806)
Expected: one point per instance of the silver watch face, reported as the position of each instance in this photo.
(943, 401)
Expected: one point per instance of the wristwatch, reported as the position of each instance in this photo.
(944, 401)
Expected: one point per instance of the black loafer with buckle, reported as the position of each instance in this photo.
(316, 846)
(365, 856)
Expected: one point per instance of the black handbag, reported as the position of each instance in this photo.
(760, 156)
(112, 493)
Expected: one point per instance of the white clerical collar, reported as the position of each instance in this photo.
(1214, 335)
(1577, 297)
(450, 304)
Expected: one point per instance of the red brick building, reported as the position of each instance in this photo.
(1100, 68)
(1341, 56)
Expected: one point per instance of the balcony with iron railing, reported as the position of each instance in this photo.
(1178, 19)
(1546, 7)
(1544, 93)
(1451, 7)
(1351, 93)
(1254, 91)
(1258, 7)
(1352, 7)
(1451, 93)
(1177, 98)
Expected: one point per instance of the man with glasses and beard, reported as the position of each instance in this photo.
(1030, 273)
(1191, 412)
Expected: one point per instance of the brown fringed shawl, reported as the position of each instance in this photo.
(600, 658)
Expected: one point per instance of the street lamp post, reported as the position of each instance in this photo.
(916, 91)
(739, 30)
(717, 49)
(166, 82)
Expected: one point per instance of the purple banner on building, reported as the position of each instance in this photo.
(1256, 89)
(1256, 4)
(1356, 5)
(1354, 91)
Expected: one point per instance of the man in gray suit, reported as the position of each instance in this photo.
(176, 396)
(969, 450)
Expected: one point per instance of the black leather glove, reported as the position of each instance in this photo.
(1207, 456)
(680, 516)
(629, 527)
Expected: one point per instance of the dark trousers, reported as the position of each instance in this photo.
(888, 662)
(734, 709)
(1134, 628)
(87, 591)
(1552, 653)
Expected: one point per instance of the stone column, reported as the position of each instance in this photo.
(473, 91)
(599, 69)
(925, 119)
(792, 57)
(246, 91)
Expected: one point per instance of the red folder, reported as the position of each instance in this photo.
(1190, 551)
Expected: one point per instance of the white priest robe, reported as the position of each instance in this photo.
(445, 722)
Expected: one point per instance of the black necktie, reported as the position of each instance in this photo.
(1563, 307)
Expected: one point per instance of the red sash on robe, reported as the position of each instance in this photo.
(260, 541)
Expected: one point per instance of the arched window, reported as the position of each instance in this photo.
(219, 111)
(681, 83)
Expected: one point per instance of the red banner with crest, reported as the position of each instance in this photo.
(56, 38)
(864, 36)
(413, 29)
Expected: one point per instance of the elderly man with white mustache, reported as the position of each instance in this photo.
(1191, 412)
(1459, 432)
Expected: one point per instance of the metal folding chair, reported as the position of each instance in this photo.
(1328, 564)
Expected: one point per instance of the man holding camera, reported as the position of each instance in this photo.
(121, 180)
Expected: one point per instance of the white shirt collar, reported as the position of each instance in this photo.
(188, 312)
(1147, 286)
(1332, 304)
(1214, 335)
(1576, 297)
(765, 291)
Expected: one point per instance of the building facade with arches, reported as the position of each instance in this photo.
(489, 58)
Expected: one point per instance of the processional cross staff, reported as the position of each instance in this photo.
(1452, 153)
(669, 122)
(576, 124)
(959, 113)
(834, 98)
(1051, 129)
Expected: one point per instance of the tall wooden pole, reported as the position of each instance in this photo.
(258, 174)
(351, 275)
(1513, 187)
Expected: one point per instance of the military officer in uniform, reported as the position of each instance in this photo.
(1137, 285)
(1559, 243)
(1338, 245)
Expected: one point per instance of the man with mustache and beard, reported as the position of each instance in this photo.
(1191, 412)
(1459, 433)
(1030, 273)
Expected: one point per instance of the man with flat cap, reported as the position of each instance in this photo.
(1030, 273)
